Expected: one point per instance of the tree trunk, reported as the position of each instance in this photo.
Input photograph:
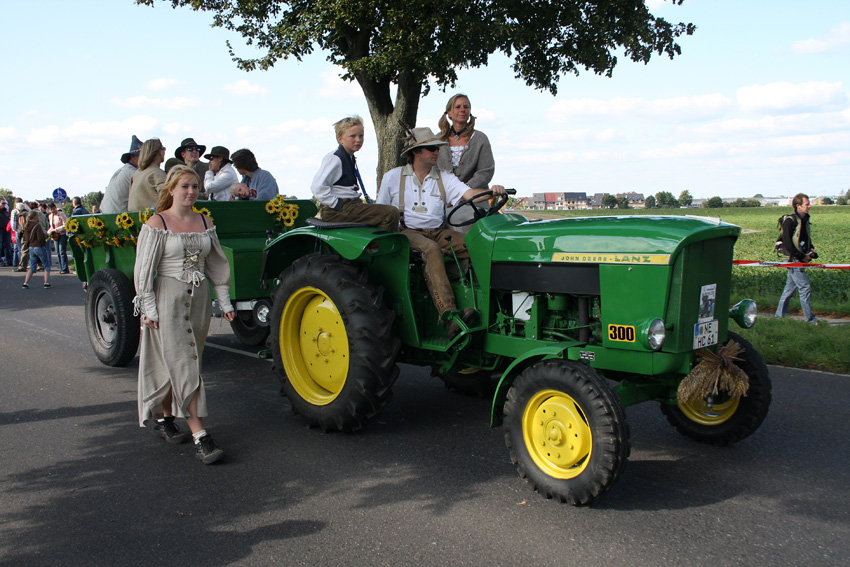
(385, 117)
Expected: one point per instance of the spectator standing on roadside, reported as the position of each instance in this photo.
(144, 187)
(797, 247)
(79, 209)
(220, 174)
(7, 257)
(18, 220)
(59, 235)
(190, 153)
(257, 184)
(36, 241)
(117, 194)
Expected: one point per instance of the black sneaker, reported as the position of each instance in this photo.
(207, 451)
(169, 431)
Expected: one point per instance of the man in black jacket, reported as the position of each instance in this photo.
(797, 246)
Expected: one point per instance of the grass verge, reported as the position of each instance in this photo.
(795, 343)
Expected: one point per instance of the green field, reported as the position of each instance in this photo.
(830, 233)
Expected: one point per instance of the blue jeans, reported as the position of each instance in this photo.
(39, 253)
(797, 280)
(62, 252)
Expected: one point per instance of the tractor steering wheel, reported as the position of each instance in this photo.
(477, 214)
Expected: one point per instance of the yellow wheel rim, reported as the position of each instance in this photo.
(314, 346)
(556, 434)
(706, 413)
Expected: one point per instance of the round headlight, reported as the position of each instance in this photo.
(655, 334)
(744, 313)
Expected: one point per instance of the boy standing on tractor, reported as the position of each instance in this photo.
(335, 185)
(797, 247)
(421, 191)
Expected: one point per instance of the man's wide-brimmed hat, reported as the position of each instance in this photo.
(188, 143)
(135, 148)
(421, 138)
(219, 151)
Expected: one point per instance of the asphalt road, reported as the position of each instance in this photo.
(427, 484)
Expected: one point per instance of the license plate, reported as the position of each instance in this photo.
(705, 334)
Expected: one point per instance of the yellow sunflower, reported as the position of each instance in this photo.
(145, 215)
(72, 225)
(95, 223)
(124, 220)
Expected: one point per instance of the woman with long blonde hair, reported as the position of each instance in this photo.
(144, 185)
(177, 251)
(468, 154)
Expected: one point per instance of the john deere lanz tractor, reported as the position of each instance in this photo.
(579, 317)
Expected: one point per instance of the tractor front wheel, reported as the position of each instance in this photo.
(332, 341)
(113, 329)
(566, 431)
(724, 419)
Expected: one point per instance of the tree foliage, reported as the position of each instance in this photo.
(609, 201)
(622, 203)
(827, 201)
(685, 198)
(9, 196)
(666, 200)
(386, 42)
(713, 203)
(649, 203)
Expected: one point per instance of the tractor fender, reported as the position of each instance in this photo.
(349, 243)
(530, 358)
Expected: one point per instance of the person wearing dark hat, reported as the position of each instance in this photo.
(117, 193)
(190, 153)
(421, 191)
(220, 175)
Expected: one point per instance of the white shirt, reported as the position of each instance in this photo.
(323, 188)
(217, 185)
(423, 206)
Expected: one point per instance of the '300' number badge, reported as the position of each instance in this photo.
(621, 333)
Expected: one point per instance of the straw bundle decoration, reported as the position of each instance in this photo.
(715, 373)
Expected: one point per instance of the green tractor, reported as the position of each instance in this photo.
(579, 318)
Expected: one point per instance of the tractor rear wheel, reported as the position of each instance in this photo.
(113, 329)
(566, 431)
(332, 341)
(724, 419)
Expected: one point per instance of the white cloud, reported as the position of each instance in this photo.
(299, 126)
(785, 97)
(783, 124)
(44, 136)
(838, 37)
(677, 109)
(244, 87)
(161, 84)
(8, 133)
(145, 103)
(335, 88)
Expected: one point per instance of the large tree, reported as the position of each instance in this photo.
(395, 42)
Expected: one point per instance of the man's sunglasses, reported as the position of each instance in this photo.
(192, 150)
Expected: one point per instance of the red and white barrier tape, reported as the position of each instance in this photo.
(754, 263)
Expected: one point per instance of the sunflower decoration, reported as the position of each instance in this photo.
(203, 211)
(284, 213)
(96, 224)
(114, 241)
(83, 242)
(145, 215)
(125, 221)
(72, 225)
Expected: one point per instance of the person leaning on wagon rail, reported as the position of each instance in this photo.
(335, 184)
(797, 247)
(257, 184)
(177, 250)
(467, 152)
(220, 174)
(117, 194)
(421, 192)
(145, 183)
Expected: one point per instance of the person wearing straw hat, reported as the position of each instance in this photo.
(421, 191)
(117, 193)
(220, 174)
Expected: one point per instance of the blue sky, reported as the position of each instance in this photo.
(757, 103)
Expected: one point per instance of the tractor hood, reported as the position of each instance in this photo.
(594, 240)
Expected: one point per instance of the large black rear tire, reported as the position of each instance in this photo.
(332, 341)
(566, 431)
(113, 329)
(723, 419)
